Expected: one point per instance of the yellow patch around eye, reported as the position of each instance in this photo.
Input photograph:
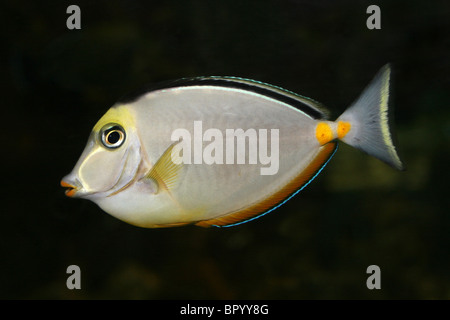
(324, 133)
(343, 128)
(118, 114)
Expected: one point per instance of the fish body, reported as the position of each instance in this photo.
(219, 151)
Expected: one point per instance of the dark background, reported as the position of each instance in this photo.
(56, 84)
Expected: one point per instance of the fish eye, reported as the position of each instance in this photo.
(113, 136)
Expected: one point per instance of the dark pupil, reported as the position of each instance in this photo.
(113, 137)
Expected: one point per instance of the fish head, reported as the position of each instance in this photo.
(110, 160)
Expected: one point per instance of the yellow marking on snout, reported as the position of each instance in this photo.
(343, 128)
(324, 133)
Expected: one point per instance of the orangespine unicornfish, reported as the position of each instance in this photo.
(219, 151)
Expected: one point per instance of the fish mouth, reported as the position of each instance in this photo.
(71, 189)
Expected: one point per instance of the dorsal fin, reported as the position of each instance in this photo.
(308, 106)
(313, 108)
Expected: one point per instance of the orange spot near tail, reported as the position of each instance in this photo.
(343, 128)
(324, 133)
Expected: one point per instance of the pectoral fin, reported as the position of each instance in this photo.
(165, 172)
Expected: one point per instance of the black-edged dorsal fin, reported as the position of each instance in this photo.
(307, 105)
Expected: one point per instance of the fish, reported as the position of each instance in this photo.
(220, 151)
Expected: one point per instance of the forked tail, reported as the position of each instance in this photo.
(365, 124)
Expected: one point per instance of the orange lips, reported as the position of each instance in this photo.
(71, 189)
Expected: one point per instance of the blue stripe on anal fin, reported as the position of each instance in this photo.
(278, 198)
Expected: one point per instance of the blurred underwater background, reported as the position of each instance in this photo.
(56, 83)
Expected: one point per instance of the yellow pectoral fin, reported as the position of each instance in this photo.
(166, 172)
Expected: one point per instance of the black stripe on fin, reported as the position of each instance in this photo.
(307, 105)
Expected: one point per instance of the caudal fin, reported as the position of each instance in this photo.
(367, 121)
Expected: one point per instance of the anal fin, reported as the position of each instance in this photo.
(278, 198)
